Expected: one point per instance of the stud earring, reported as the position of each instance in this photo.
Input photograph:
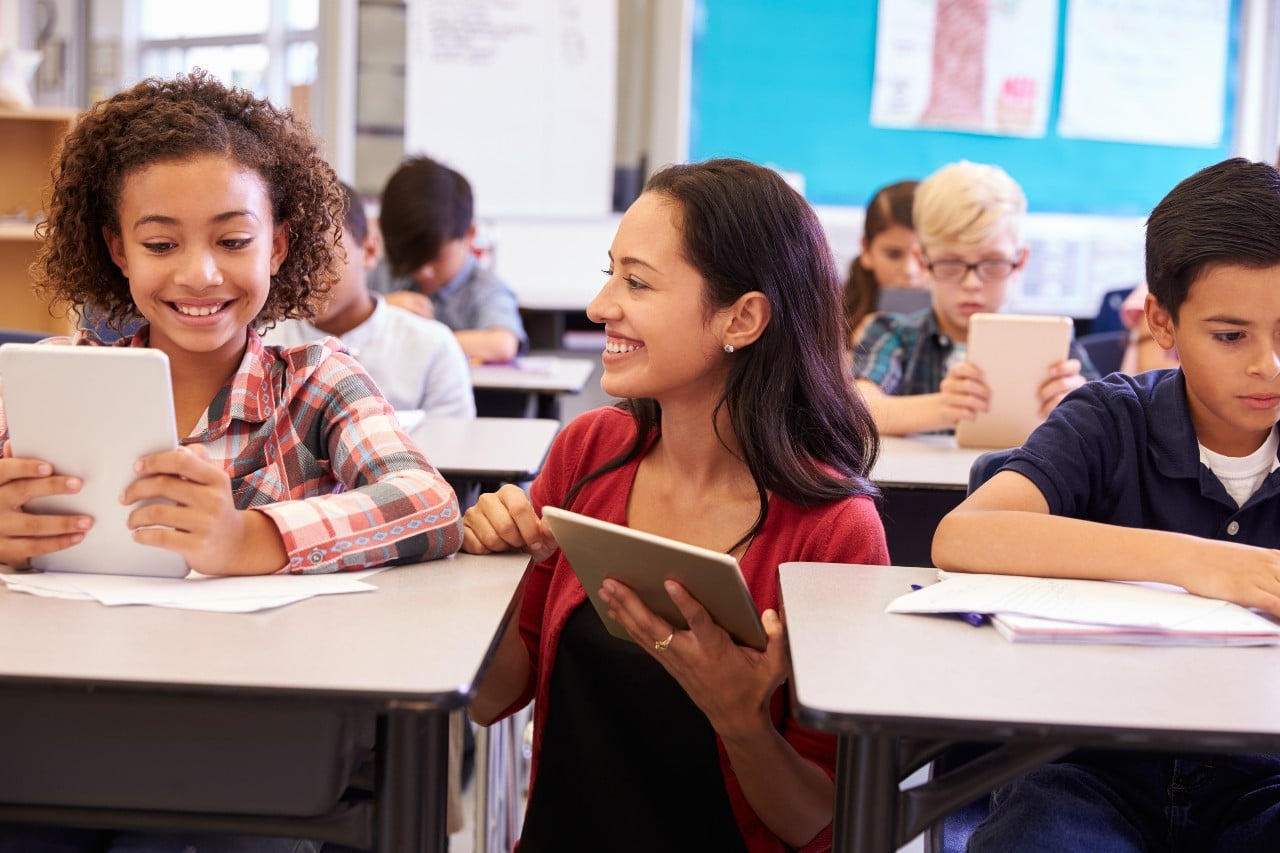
(728, 347)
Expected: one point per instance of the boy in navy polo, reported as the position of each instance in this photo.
(1169, 476)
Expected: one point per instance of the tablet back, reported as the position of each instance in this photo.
(1015, 352)
(599, 549)
(91, 412)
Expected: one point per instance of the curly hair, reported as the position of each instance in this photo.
(170, 120)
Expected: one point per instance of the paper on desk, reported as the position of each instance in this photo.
(410, 419)
(1095, 602)
(1018, 628)
(194, 592)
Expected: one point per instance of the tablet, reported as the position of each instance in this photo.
(92, 412)
(1015, 352)
(599, 549)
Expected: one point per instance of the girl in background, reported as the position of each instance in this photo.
(890, 256)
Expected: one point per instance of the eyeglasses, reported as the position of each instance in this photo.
(989, 271)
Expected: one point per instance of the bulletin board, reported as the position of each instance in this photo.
(789, 84)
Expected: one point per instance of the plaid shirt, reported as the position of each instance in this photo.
(906, 354)
(307, 440)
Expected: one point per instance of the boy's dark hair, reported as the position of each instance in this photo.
(424, 205)
(1227, 213)
(167, 121)
(804, 431)
(356, 223)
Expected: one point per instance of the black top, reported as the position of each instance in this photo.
(628, 761)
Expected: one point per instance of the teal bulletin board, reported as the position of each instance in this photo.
(789, 84)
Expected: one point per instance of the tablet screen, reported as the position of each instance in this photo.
(92, 412)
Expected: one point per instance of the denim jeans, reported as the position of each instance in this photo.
(1111, 802)
(18, 838)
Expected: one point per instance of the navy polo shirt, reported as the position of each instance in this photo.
(1122, 450)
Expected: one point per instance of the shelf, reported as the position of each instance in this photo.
(18, 231)
(29, 140)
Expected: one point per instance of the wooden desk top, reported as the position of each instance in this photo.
(859, 669)
(422, 636)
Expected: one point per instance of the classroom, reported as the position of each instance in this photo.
(526, 352)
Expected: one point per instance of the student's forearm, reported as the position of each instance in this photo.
(261, 548)
(506, 677)
(793, 796)
(488, 344)
(1012, 542)
(909, 414)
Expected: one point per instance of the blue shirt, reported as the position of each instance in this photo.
(475, 298)
(1122, 450)
(906, 354)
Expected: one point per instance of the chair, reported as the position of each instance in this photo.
(1108, 316)
(1105, 349)
(21, 336)
(951, 833)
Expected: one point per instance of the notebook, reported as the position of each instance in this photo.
(92, 412)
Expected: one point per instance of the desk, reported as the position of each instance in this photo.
(922, 477)
(225, 705)
(508, 450)
(898, 689)
(537, 379)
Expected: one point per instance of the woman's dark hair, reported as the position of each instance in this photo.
(805, 432)
(166, 121)
(1227, 213)
(890, 206)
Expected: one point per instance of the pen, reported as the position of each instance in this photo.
(977, 620)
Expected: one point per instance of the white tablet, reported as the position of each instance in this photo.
(1015, 352)
(599, 549)
(92, 412)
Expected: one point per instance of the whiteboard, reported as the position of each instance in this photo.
(519, 96)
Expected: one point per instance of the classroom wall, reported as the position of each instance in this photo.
(791, 85)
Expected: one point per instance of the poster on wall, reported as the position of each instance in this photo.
(1141, 71)
(519, 96)
(965, 65)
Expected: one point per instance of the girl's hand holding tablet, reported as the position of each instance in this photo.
(197, 517)
(24, 535)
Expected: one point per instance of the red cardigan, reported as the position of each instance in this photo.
(845, 531)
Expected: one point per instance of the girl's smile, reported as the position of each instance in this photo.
(199, 245)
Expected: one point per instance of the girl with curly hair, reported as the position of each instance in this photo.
(209, 214)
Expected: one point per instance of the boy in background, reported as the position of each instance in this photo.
(911, 367)
(427, 224)
(1169, 476)
(417, 363)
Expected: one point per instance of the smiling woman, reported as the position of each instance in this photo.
(739, 433)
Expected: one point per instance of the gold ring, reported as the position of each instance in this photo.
(661, 645)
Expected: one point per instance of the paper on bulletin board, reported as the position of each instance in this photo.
(1145, 71)
(519, 96)
(968, 65)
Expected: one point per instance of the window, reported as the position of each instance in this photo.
(268, 47)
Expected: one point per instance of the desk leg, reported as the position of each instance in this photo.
(412, 783)
(866, 795)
